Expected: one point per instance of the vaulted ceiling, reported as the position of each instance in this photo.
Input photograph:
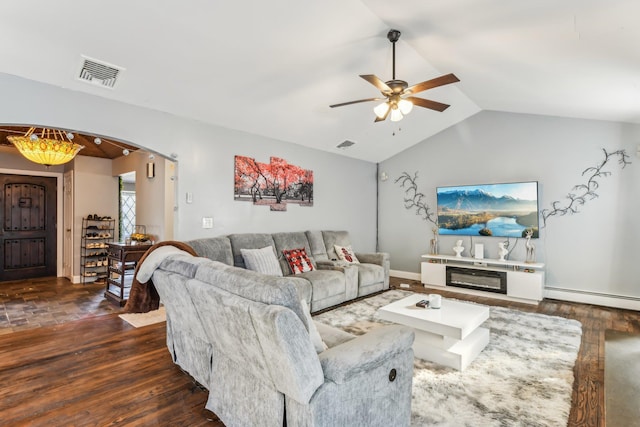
(273, 67)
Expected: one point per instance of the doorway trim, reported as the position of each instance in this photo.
(59, 216)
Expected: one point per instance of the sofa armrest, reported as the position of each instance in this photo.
(364, 353)
(379, 258)
(327, 265)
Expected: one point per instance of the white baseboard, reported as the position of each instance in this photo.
(595, 298)
(572, 295)
(405, 275)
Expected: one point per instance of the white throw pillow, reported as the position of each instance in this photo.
(345, 253)
(316, 339)
(262, 260)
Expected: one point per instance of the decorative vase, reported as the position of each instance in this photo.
(433, 247)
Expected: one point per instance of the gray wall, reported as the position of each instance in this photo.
(344, 188)
(595, 250)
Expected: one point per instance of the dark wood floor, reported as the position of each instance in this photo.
(101, 371)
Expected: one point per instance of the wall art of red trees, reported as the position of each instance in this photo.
(275, 184)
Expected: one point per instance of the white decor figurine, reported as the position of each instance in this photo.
(502, 251)
(434, 242)
(531, 249)
(458, 248)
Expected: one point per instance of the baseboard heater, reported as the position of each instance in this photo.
(483, 280)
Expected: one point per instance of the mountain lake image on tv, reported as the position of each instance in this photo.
(500, 210)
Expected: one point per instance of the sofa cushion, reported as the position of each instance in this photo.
(332, 238)
(298, 260)
(368, 274)
(288, 241)
(248, 241)
(214, 248)
(332, 336)
(345, 253)
(316, 244)
(326, 283)
(262, 260)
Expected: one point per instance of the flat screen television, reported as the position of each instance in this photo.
(500, 210)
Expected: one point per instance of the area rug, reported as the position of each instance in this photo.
(621, 378)
(524, 377)
(139, 320)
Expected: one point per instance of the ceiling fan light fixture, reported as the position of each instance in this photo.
(405, 106)
(396, 115)
(397, 91)
(381, 110)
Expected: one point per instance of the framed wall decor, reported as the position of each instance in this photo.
(274, 184)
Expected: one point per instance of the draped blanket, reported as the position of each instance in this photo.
(143, 296)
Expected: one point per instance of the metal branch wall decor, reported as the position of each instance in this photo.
(581, 193)
(414, 198)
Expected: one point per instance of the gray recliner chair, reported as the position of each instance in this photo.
(265, 371)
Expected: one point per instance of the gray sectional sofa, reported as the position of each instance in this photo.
(330, 283)
(250, 340)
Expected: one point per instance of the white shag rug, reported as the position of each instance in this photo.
(139, 320)
(524, 377)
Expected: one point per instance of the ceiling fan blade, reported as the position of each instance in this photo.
(426, 103)
(430, 84)
(382, 86)
(355, 102)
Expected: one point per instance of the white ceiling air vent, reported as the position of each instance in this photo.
(99, 73)
(345, 144)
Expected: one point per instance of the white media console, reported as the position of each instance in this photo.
(524, 281)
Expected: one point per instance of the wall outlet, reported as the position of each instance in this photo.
(207, 222)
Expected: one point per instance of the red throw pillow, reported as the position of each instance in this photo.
(298, 260)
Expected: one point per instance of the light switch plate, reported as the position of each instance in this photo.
(189, 197)
(207, 222)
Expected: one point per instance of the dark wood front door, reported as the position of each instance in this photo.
(28, 232)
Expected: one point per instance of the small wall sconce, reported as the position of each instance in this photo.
(151, 170)
(383, 176)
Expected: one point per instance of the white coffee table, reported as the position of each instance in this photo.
(450, 336)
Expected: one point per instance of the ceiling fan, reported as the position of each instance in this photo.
(398, 99)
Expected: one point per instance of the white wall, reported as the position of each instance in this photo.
(594, 251)
(95, 192)
(154, 196)
(344, 188)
